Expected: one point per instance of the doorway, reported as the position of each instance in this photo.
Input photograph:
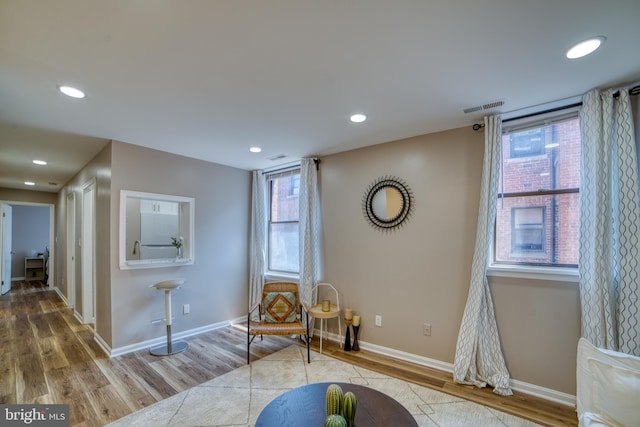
(27, 251)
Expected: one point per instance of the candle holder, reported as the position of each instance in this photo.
(355, 346)
(347, 341)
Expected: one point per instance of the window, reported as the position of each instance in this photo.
(527, 229)
(282, 243)
(527, 143)
(538, 205)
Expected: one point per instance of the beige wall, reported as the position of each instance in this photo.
(216, 286)
(420, 273)
(97, 171)
(26, 196)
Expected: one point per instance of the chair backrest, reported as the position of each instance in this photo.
(329, 285)
(281, 287)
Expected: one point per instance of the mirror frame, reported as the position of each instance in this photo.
(387, 224)
(189, 248)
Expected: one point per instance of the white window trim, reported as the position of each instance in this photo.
(555, 274)
(277, 275)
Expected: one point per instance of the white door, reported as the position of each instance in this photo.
(71, 249)
(5, 250)
(87, 250)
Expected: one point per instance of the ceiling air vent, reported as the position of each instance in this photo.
(278, 157)
(483, 107)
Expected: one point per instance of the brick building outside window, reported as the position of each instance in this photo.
(538, 202)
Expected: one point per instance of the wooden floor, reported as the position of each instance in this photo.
(46, 356)
(529, 407)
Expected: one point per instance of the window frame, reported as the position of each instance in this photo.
(270, 177)
(553, 272)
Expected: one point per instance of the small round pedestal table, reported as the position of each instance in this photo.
(316, 312)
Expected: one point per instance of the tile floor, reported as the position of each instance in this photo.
(237, 398)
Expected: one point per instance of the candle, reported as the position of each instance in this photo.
(356, 320)
(326, 305)
(348, 314)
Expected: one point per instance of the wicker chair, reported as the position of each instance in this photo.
(279, 313)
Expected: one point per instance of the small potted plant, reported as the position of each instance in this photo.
(178, 242)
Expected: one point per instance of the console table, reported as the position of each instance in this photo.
(306, 407)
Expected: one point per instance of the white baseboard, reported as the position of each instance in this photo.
(62, 296)
(119, 351)
(520, 386)
(544, 393)
(102, 343)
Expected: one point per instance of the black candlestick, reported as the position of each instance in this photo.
(347, 341)
(355, 338)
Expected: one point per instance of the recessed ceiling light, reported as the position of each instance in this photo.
(71, 91)
(29, 183)
(358, 118)
(39, 162)
(255, 149)
(585, 48)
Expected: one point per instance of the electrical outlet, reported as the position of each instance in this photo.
(426, 329)
(378, 320)
(186, 309)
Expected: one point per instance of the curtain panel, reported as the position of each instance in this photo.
(309, 231)
(609, 263)
(258, 246)
(478, 359)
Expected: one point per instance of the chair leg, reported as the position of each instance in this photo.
(308, 340)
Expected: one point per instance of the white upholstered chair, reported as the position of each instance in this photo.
(607, 387)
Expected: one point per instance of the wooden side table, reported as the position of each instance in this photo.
(316, 312)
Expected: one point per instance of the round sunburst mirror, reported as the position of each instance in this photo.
(387, 203)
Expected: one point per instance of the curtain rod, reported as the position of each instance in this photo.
(550, 110)
(289, 166)
(633, 91)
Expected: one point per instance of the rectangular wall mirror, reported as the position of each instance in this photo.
(156, 230)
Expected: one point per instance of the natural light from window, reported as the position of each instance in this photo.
(538, 202)
(283, 243)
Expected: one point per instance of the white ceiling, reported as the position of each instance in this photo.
(209, 78)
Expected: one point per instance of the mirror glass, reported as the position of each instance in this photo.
(156, 230)
(387, 203)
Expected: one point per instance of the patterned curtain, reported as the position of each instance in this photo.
(479, 360)
(309, 231)
(609, 263)
(258, 238)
